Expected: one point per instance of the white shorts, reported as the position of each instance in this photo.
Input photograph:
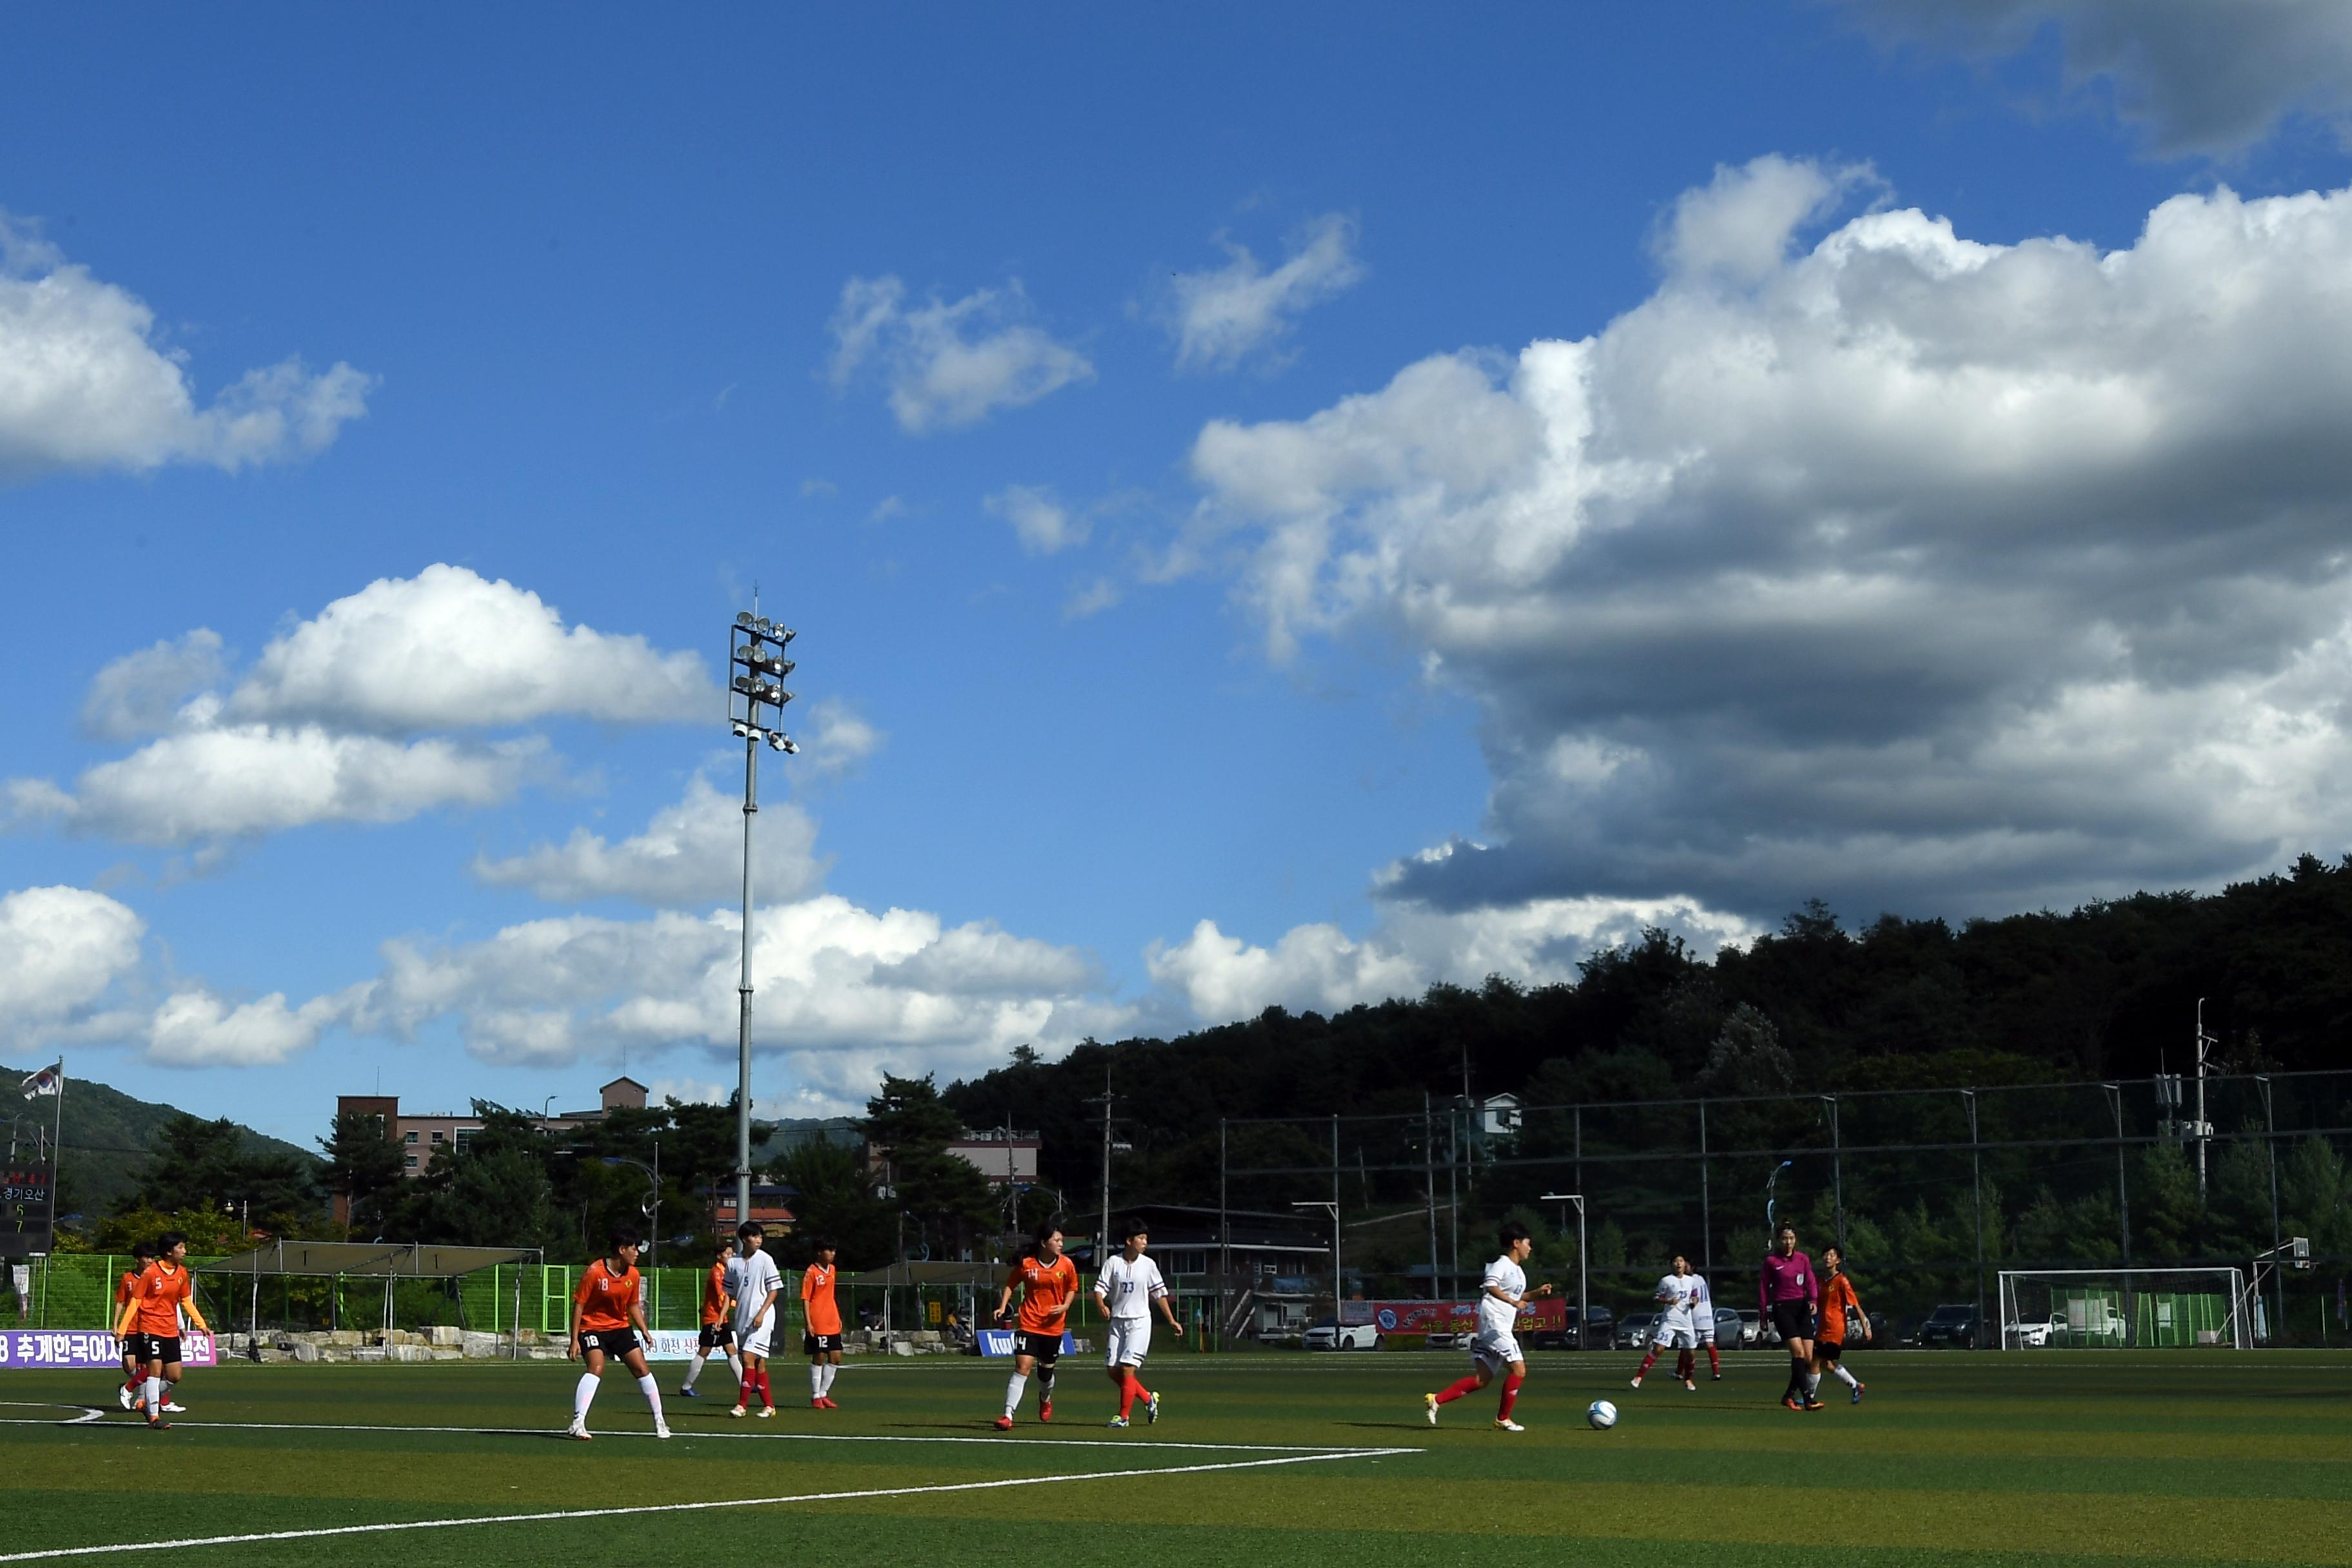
(1706, 1329)
(754, 1341)
(1497, 1350)
(1666, 1339)
(1127, 1343)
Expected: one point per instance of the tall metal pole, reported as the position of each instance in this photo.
(1454, 1195)
(2270, 1147)
(57, 1175)
(1837, 1172)
(1339, 1279)
(1975, 1200)
(1102, 1248)
(2123, 1206)
(1429, 1184)
(2204, 1041)
(1224, 1238)
(1705, 1210)
(743, 996)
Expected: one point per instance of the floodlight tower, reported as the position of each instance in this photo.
(755, 706)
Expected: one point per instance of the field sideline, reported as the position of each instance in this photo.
(2063, 1458)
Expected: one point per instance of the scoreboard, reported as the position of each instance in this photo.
(24, 1207)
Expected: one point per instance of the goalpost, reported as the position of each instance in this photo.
(2115, 1308)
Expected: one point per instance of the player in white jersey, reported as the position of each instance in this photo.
(1502, 1295)
(1126, 1290)
(756, 1284)
(1677, 1324)
(1703, 1320)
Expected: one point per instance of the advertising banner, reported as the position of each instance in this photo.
(1001, 1341)
(673, 1344)
(80, 1350)
(1545, 1313)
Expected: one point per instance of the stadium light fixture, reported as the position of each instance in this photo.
(755, 706)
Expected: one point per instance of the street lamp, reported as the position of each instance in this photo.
(651, 1207)
(1564, 1199)
(755, 705)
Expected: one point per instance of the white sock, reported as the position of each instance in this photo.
(831, 1371)
(154, 1396)
(735, 1365)
(816, 1380)
(1812, 1382)
(701, 1360)
(1045, 1383)
(652, 1390)
(1844, 1376)
(1013, 1391)
(581, 1397)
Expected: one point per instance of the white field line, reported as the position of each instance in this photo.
(601, 1513)
(1325, 1450)
(88, 1413)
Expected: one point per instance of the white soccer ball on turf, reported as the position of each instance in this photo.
(1601, 1415)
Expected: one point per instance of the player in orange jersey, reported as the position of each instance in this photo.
(142, 1255)
(823, 1339)
(608, 1314)
(1049, 1283)
(717, 1332)
(165, 1290)
(1843, 1322)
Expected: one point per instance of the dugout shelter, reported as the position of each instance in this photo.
(367, 1261)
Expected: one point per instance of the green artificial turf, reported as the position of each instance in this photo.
(2040, 1460)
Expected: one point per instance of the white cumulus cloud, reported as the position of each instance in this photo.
(62, 950)
(838, 741)
(1221, 316)
(690, 855)
(948, 363)
(198, 1029)
(84, 384)
(450, 649)
(1040, 521)
(1904, 568)
(138, 694)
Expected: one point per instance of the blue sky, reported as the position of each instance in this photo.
(1425, 493)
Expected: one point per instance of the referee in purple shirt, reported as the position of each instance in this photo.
(1785, 1294)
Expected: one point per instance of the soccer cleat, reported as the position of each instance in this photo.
(176, 1407)
(1004, 1423)
(661, 1429)
(687, 1390)
(1430, 1400)
(1791, 1401)
(1505, 1424)
(1045, 1410)
(1117, 1421)
(1857, 1392)
(157, 1423)
(737, 1412)
(1691, 1385)
(766, 1411)
(1812, 1404)
(1716, 1378)
(816, 1404)
(123, 1396)
(1637, 1380)
(1151, 1411)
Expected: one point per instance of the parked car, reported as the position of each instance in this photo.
(1330, 1335)
(1730, 1328)
(2036, 1335)
(1634, 1333)
(1446, 1339)
(1599, 1327)
(1950, 1327)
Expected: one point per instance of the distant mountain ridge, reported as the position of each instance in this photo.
(108, 1137)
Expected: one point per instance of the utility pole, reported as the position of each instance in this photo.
(1102, 1242)
(757, 645)
(2205, 1043)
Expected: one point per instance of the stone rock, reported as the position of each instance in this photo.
(305, 1351)
(483, 1347)
(445, 1336)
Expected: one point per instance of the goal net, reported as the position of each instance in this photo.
(2117, 1308)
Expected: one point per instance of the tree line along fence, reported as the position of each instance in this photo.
(1929, 1193)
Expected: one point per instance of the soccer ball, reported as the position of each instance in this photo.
(1601, 1415)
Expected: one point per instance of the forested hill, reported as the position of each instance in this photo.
(2107, 990)
(110, 1137)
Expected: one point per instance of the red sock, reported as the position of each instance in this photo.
(1127, 1389)
(1648, 1362)
(1713, 1360)
(1685, 1364)
(767, 1394)
(1467, 1385)
(1510, 1396)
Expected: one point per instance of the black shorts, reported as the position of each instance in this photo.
(164, 1348)
(135, 1347)
(1793, 1319)
(1046, 1349)
(716, 1337)
(614, 1342)
(820, 1344)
